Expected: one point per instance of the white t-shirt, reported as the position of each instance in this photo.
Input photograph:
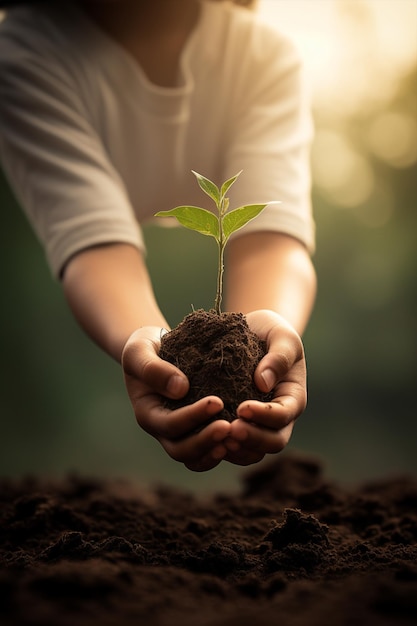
(93, 149)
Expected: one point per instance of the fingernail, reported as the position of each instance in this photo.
(268, 377)
(176, 386)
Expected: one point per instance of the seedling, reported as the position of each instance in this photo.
(219, 226)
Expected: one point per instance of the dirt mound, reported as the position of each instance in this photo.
(291, 548)
(219, 355)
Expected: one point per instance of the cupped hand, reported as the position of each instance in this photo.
(148, 380)
(266, 427)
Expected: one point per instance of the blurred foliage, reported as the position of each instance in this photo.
(62, 401)
(362, 340)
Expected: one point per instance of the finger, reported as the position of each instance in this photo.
(140, 361)
(285, 349)
(200, 451)
(161, 422)
(255, 439)
(284, 409)
(244, 457)
(208, 461)
(284, 361)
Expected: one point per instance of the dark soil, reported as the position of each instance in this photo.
(219, 355)
(290, 548)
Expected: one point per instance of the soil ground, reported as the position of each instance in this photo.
(291, 548)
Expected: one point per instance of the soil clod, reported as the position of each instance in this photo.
(219, 355)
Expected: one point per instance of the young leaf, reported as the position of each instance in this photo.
(194, 218)
(208, 187)
(226, 185)
(221, 226)
(239, 217)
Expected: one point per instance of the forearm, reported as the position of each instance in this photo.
(110, 294)
(271, 271)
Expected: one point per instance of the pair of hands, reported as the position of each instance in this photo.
(261, 428)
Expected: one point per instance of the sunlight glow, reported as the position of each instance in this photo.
(336, 164)
(354, 50)
(356, 54)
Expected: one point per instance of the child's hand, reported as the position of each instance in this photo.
(147, 379)
(263, 428)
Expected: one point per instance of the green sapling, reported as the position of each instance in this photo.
(219, 226)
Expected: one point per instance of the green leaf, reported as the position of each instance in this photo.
(195, 218)
(228, 183)
(239, 217)
(208, 187)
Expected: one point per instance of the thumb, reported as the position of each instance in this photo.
(140, 360)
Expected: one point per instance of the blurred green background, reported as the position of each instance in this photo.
(62, 401)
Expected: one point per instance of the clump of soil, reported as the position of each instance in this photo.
(219, 355)
(291, 546)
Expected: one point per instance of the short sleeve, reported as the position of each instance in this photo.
(270, 137)
(55, 160)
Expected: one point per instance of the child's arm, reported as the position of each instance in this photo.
(111, 296)
(272, 280)
(270, 270)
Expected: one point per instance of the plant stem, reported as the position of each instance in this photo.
(218, 301)
(221, 207)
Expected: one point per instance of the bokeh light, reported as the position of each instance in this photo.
(354, 50)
